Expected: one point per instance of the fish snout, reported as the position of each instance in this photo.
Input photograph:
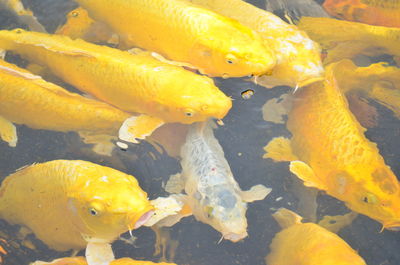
(234, 237)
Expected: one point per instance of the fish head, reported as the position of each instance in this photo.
(234, 51)
(108, 205)
(224, 211)
(378, 198)
(193, 98)
(338, 8)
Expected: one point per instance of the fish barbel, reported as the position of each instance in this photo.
(132, 82)
(329, 151)
(186, 33)
(68, 204)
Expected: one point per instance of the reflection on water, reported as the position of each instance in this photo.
(243, 137)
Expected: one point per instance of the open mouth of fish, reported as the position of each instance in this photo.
(143, 219)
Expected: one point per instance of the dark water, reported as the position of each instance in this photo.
(244, 132)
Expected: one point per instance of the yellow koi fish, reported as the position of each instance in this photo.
(132, 82)
(344, 39)
(28, 99)
(24, 15)
(298, 57)
(374, 12)
(80, 25)
(68, 204)
(186, 33)
(82, 261)
(379, 81)
(308, 244)
(329, 151)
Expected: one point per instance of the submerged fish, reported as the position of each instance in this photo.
(28, 99)
(378, 81)
(298, 57)
(374, 12)
(213, 194)
(186, 33)
(329, 151)
(132, 82)
(82, 261)
(80, 25)
(69, 204)
(308, 244)
(24, 15)
(344, 39)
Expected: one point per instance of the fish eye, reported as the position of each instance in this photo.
(74, 14)
(370, 198)
(209, 210)
(93, 211)
(230, 59)
(189, 112)
(18, 31)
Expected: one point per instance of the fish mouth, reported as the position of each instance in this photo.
(143, 219)
(395, 226)
(234, 237)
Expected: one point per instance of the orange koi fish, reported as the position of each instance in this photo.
(308, 244)
(24, 15)
(28, 99)
(379, 82)
(133, 82)
(373, 12)
(298, 57)
(82, 261)
(329, 151)
(80, 25)
(344, 39)
(186, 33)
(70, 204)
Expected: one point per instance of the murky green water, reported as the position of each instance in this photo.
(198, 242)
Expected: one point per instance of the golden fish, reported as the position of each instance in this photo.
(24, 15)
(80, 25)
(82, 261)
(344, 39)
(378, 81)
(132, 82)
(329, 151)
(186, 33)
(68, 204)
(374, 12)
(308, 244)
(28, 99)
(298, 57)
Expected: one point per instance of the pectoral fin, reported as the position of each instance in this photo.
(275, 109)
(286, 218)
(175, 184)
(337, 222)
(279, 149)
(99, 253)
(8, 132)
(256, 193)
(138, 127)
(305, 173)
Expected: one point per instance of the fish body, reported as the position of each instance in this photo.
(346, 39)
(132, 82)
(68, 204)
(24, 15)
(308, 244)
(373, 12)
(183, 32)
(82, 261)
(80, 25)
(329, 151)
(298, 57)
(214, 196)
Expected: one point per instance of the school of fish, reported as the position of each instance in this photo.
(147, 70)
